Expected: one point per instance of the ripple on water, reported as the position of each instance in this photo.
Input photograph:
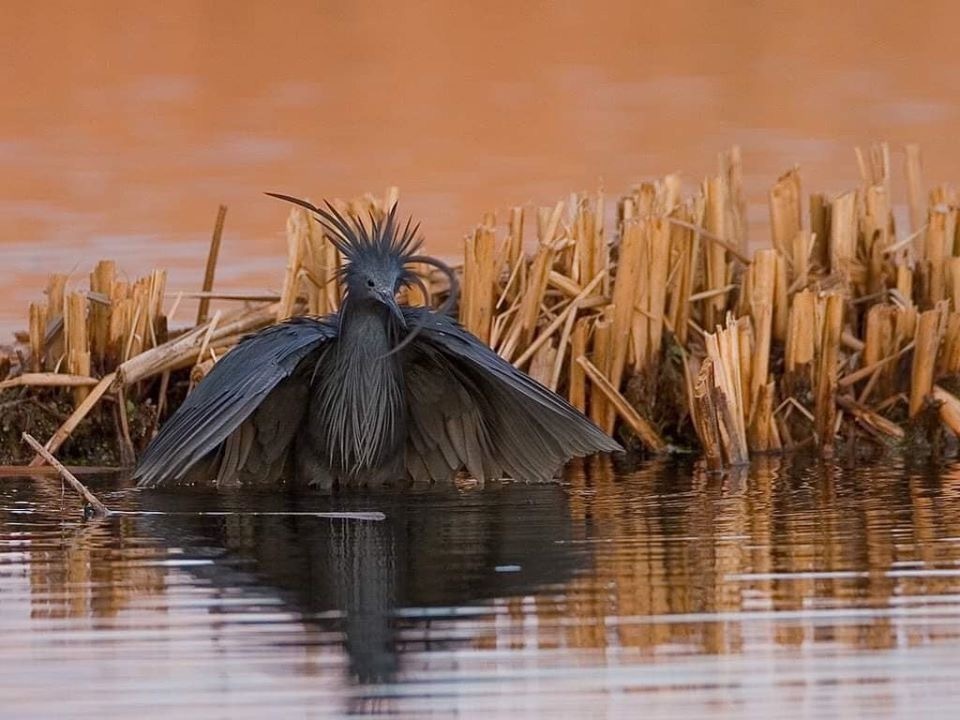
(789, 587)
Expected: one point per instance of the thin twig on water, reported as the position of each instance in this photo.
(97, 507)
(373, 516)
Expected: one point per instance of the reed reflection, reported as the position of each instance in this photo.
(657, 559)
(693, 563)
(76, 568)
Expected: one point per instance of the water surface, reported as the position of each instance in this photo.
(789, 590)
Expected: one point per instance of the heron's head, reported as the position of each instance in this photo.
(377, 256)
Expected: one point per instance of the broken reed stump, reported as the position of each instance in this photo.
(647, 312)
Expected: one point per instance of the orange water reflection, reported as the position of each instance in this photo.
(124, 124)
(788, 583)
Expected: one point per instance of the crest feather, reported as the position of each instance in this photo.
(384, 239)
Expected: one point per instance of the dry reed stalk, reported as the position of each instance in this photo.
(868, 371)
(143, 322)
(851, 342)
(781, 299)
(479, 277)
(55, 292)
(541, 365)
(102, 280)
(53, 344)
(905, 327)
(119, 320)
(820, 213)
(924, 358)
(38, 329)
(98, 508)
(684, 248)
(905, 283)
(935, 252)
(570, 311)
(296, 229)
(915, 192)
(653, 300)
(602, 336)
(800, 259)
(745, 347)
(843, 235)
(763, 273)
(952, 281)
(128, 456)
(48, 380)
(133, 332)
(577, 390)
(878, 335)
(801, 334)
(871, 421)
(183, 351)
(511, 257)
(566, 285)
(827, 371)
(731, 170)
(514, 242)
(949, 409)
(263, 297)
(199, 371)
(554, 378)
(76, 347)
(211, 267)
(875, 165)
(326, 264)
(785, 210)
(643, 430)
(723, 349)
(948, 362)
(158, 320)
(70, 424)
(500, 322)
(669, 190)
(762, 431)
(877, 230)
(525, 322)
(704, 414)
(879, 348)
(715, 267)
(626, 287)
(591, 245)
(211, 329)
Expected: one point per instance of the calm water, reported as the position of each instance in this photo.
(791, 590)
(123, 123)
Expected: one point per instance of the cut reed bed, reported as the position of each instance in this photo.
(649, 312)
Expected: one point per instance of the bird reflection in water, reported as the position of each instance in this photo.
(371, 581)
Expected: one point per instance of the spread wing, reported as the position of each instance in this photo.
(468, 407)
(245, 412)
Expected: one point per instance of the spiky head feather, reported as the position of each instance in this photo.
(381, 246)
(382, 249)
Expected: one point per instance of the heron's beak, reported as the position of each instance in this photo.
(390, 300)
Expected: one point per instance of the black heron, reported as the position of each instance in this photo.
(377, 392)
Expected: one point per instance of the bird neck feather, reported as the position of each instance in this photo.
(361, 391)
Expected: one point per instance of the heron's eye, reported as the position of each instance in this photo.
(370, 283)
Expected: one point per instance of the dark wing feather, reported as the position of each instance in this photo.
(446, 430)
(244, 380)
(495, 418)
